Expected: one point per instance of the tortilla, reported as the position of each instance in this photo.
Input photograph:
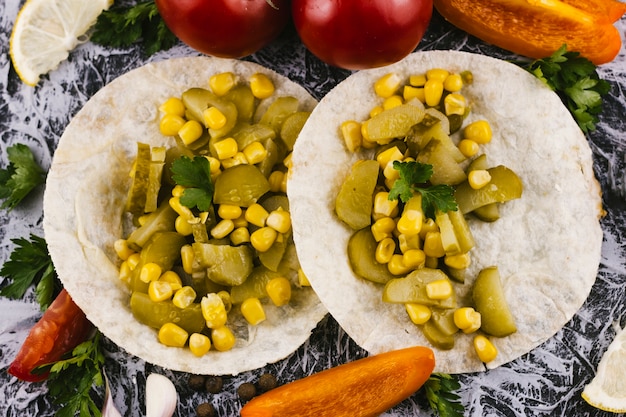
(83, 216)
(546, 244)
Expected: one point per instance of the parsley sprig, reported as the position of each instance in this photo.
(575, 79)
(414, 178)
(195, 175)
(20, 177)
(123, 26)
(439, 390)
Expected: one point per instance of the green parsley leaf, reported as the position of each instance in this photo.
(195, 175)
(576, 81)
(30, 264)
(123, 26)
(439, 390)
(414, 178)
(21, 176)
(72, 381)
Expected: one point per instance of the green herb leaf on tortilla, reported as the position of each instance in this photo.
(30, 264)
(122, 26)
(21, 176)
(414, 177)
(440, 393)
(195, 175)
(575, 79)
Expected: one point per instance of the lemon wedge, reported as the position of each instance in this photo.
(607, 390)
(45, 31)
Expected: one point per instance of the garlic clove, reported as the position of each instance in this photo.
(161, 396)
(109, 409)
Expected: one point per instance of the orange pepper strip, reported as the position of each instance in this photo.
(612, 9)
(362, 388)
(535, 28)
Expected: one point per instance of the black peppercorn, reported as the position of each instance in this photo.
(213, 384)
(205, 410)
(246, 391)
(196, 382)
(267, 382)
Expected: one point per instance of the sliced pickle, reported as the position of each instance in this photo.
(490, 302)
(488, 212)
(412, 289)
(446, 170)
(253, 133)
(163, 249)
(354, 200)
(292, 126)
(161, 220)
(226, 265)
(444, 321)
(154, 180)
(140, 174)
(394, 123)
(272, 257)
(197, 100)
(436, 337)
(279, 111)
(504, 186)
(241, 185)
(254, 286)
(241, 96)
(156, 314)
(361, 254)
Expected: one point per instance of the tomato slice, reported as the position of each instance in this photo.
(62, 327)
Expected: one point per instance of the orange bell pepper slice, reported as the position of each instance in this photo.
(537, 28)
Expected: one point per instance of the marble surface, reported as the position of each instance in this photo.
(545, 382)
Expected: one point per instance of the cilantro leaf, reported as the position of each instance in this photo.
(122, 26)
(21, 176)
(414, 178)
(30, 264)
(439, 391)
(195, 175)
(576, 81)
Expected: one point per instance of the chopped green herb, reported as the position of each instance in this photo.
(30, 264)
(575, 79)
(439, 391)
(21, 176)
(122, 26)
(195, 175)
(414, 178)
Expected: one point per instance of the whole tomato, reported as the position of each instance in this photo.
(225, 28)
(359, 34)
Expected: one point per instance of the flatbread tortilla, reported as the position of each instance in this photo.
(546, 244)
(83, 209)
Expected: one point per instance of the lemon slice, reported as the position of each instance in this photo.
(45, 31)
(607, 390)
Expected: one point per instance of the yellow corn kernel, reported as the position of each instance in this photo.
(375, 110)
(439, 289)
(468, 147)
(438, 74)
(125, 272)
(171, 124)
(172, 335)
(223, 338)
(214, 118)
(478, 131)
(387, 85)
(222, 228)
(256, 214)
(178, 191)
(393, 101)
(150, 272)
(455, 103)
(214, 165)
(228, 302)
(261, 85)
(460, 261)
(453, 83)
(190, 132)
(467, 319)
(389, 155)
(253, 311)
(173, 279)
(418, 313)
(187, 258)
(229, 211)
(238, 159)
(180, 209)
(396, 265)
(199, 344)
(390, 173)
(241, 221)
(122, 249)
(429, 225)
(133, 260)
(225, 148)
(222, 83)
(262, 239)
(173, 105)
(485, 350)
(410, 222)
(433, 247)
(255, 153)
(408, 242)
(351, 133)
(184, 297)
(160, 291)
(182, 226)
(279, 290)
(275, 179)
(433, 90)
(303, 280)
(239, 236)
(417, 80)
(383, 228)
(478, 178)
(383, 206)
(414, 258)
(279, 220)
(411, 93)
(213, 310)
(385, 250)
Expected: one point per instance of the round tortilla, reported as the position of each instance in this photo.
(546, 244)
(84, 200)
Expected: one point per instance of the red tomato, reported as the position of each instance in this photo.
(359, 34)
(62, 327)
(225, 28)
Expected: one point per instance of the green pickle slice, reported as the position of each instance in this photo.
(156, 314)
(361, 253)
(490, 302)
(412, 289)
(353, 204)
